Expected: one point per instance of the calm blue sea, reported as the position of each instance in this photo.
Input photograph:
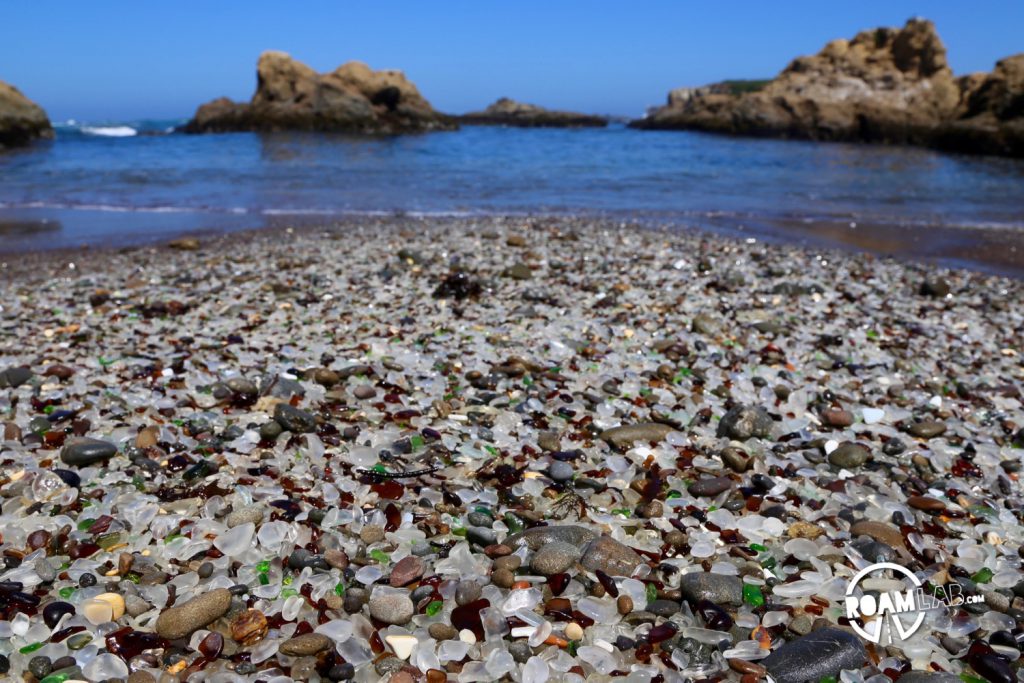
(134, 182)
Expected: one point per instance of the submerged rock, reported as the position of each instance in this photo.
(508, 112)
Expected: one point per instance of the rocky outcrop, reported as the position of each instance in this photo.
(887, 85)
(508, 112)
(990, 117)
(21, 119)
(352, 98)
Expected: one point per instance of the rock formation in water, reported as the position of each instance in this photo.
(508, 112)
(352, 98)
(990, 117)
(886, 85)
(21, 119)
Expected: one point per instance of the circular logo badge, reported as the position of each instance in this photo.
(885, 616)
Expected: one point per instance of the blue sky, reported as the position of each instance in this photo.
(121, 60)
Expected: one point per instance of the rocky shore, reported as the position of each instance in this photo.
(885, 85)
(508, 112)
(410, 449)
(352, 98)
(21, 119)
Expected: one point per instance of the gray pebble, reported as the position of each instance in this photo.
(391, 608)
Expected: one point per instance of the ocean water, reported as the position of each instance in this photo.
(135, 182)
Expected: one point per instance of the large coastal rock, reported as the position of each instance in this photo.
(352, 98)
(886, 85)
(508, 112)
(990, 117)
(21, 119)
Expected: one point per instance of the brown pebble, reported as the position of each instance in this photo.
(836, 417)
(439, 631)
(926, 503)
(801, 529)
(12, 432)
(249, 627)
(651, 509)
(436, 676)
(508, 563)
(325, 377)
(305, 645)
(407, 570)
(402, 676)
(744, 667)
(497, 550)
(147, 437)
(502, 578)
(336, 558)
(59, 371)
(624, 604)
(371, 534)
(880, 531)
(675, 538)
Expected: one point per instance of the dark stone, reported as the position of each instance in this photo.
(293, 419)
(83, 452)
(14, 377)
(817, 655)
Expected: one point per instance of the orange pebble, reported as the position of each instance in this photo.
(555, 640)
(518, 585)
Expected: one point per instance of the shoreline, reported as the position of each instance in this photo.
(983, 250)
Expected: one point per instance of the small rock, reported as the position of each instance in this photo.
(663, 608)
(305, 645)
(391, 608)
(926, 429)
(849, 455)
(801, 529)
(718, 588)
(880, 531)
(538, 536)
(819, 654)
(293, 419)
(926, 503)
(371, 534)
(611, 557)
(835, 417)
(745, 422)
(549, 441)
(560, 471)
(407, 570)
(364, 391)
(14, 377)
(625, 437)
(184, 244)
(442, 631)
(83, 451)
(935, 287)
(244, 515)
(736, 459)
(709, 487)
(554, 558)
(519, 271)
(182, 620)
